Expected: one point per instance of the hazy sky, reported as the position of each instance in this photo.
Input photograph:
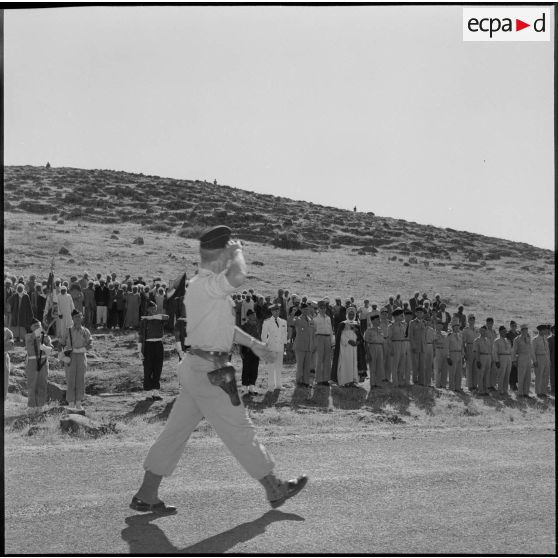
(382, 107)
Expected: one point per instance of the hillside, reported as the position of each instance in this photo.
(184, 207)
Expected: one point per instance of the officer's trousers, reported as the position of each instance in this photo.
(75, 378)
(428, 364)
(418, 367)
(504, 373)
(375, 354)
(407, 361)
(198, 399)
(542, 374)
(274, 371)
(455, 370)
(304, 363)
(36, 383)
(153, 355)
(441, 370)
(523, 374)
(483, 373)
(470, 372)
(398, 363)
(323, 358)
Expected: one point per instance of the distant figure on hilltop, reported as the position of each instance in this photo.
(47, 165)
(354, 208)
(215, 182)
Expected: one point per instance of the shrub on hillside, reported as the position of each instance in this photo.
(288, 240)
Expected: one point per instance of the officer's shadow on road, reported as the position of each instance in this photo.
(143, 537)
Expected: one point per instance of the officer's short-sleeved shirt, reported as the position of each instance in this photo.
(211, 311)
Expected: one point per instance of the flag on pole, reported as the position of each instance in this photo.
(177, 289)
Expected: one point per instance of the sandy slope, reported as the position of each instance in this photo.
(381, 491)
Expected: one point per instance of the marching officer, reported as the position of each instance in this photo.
(212, 332)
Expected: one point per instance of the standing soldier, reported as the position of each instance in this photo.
(522, 352)
(274, 335)
(76, 339)
(482, 350)
(430, 338)
(396, 340)
(455, 360)
(384, 325)
(374, 342)
(441, 356)
(407, 346)
(552, 349)
(417, 337)
(491, 335)
(324, 334)
(510, 336)
(542, 361)
(38, 346)
(501, 355)
(470, 333)
(304, 345)
(150, 348)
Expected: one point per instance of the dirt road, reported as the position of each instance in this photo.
(388, 491)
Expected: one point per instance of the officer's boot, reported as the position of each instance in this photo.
(279, 491)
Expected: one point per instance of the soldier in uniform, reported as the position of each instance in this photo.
(510, 336)
(492, 335)
(417, 337)
(455, 360)
(395, 342)
(482, 351)
(212, 332)
(470, 333)
(429, 338)
(304, 345)
(501, 355)
(441, 356)
(522, 353)
(77, 339)
(375, 346)
(324, 333)
(407, 346)
(542, 361)
(151, 350)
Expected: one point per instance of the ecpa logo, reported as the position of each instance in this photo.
(506, 24)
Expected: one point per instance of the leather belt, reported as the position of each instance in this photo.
(485, 354)
(328, 334)
(152, 340)
(207, 354)
(500, 354)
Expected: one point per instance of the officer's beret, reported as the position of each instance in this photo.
(419, 309)
(490, 320)
(408, 312)
(215, 238)
(303, 305)
(483, 327)
(542, 326)
(397, 312)
(513, 323)
(76, 313)
(374, 317)
(502, 328)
